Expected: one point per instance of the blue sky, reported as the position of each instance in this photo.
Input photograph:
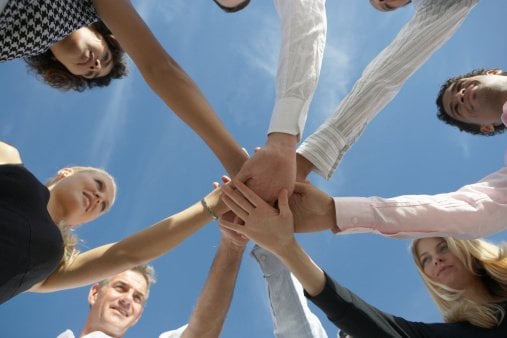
(161, 166)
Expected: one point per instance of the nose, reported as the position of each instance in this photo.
(438, 260)
(96, 65)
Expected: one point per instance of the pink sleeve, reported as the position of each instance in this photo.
(475, 210)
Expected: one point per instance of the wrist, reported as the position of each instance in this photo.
(282, 140)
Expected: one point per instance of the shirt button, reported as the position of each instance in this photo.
(262, 258)
(355, 220)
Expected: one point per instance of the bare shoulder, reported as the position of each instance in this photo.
(9, 154)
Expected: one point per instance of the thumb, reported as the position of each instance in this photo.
(283, 202)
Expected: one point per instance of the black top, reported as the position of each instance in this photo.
(30, 27)
(361, 320)
(31, 245)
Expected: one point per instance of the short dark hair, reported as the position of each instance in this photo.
(54, 73)
(233, 9)
(472, 128)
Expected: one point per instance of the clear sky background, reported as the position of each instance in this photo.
(161, 166)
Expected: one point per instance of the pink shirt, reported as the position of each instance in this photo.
(475, 210)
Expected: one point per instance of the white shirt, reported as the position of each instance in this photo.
(303, 27)
(433, 23)
(98, 334)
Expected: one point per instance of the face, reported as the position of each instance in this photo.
(80, 197)
(118, 305)
(84, 53)
(388, 5)
(477, 99)
(441, 265)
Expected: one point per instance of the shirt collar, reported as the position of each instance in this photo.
(504, 114)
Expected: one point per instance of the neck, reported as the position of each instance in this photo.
(478, 293)
(54, 210)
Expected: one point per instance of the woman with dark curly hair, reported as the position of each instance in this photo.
(66, 45)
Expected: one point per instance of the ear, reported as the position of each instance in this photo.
(93, 294)
(487, 129)
(494, 71)
(65, 172)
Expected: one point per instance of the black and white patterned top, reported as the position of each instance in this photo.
(30, 27)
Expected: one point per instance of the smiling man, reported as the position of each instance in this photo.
(475, 102)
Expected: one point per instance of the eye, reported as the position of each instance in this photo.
(443, 247)
(425, 260)
(103, 206)
(100, 184)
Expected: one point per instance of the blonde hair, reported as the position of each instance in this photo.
(483, 259)
(70, 239)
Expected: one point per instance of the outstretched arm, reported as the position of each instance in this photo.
(303, 28)
(169, 80)
(432, 25)
(211, 310)
(107, 260)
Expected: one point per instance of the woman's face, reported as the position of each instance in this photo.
(84, 53)
(80, 197)
(441, 265)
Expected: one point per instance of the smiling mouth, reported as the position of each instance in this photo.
(445, 268)
(88, 201)
(120, 311)
(88, 59)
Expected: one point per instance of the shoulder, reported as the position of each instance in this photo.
(9, 154)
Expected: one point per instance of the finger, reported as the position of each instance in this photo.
(250, 195)
(283, 202)
(257, 149)
(239, 229)
(226, 179)
(215, 185)
(238, 198)
(245, 151)
(235, 208)
(301, 187)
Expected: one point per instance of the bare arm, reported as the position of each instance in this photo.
(9, 154)
(148, 244)
(211, 310)
(169, 80)
(274, 230)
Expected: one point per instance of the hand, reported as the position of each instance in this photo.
(313, 209)
(233, 238)
(272, 168)
(214, 198)
(270, 228)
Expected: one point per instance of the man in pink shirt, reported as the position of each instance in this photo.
(476, 103)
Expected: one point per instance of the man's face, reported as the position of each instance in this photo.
(118, 305)
(478, 99)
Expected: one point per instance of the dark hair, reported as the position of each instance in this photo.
(472, 128)
(235, 8)
(54, 73)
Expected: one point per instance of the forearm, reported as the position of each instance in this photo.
(183, 96)
(309, 274)
(353, 315)
(107, 260)
(210, 312)
(381, 80)
(475, 210)
(303, 28)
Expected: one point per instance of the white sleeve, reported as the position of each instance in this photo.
(434, 22)
(174, 333)
(303, 28)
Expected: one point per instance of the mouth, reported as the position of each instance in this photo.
(87, 57)
(470, 96)
(443, 269)
(87, 200)
(121, 311)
